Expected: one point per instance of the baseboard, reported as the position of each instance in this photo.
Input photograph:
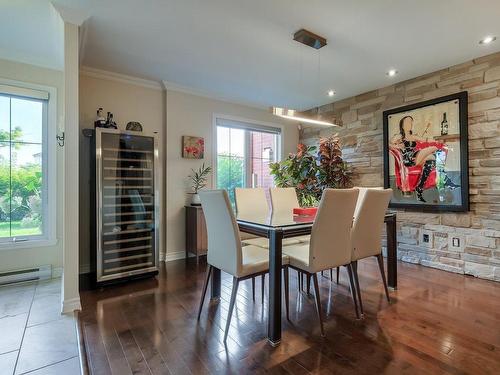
(70, 305)
(175, 255)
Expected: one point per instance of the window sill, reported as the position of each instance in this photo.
(27, 244)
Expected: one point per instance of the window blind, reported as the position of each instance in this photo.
(23, 92)
(235, 124)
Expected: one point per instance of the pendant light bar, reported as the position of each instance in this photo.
(292, 114)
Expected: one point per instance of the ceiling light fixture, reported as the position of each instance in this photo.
(314, 41)
(292, 114)
(488, 40)
(392, 72)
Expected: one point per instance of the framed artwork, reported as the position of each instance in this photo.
(193, 147)
(426, 154)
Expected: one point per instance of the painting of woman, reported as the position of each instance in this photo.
(425, 154)
(418, 151)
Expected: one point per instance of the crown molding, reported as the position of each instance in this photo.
(118, 77)
(171, 86)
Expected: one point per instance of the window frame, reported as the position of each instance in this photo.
(256, 125)
(19, 89)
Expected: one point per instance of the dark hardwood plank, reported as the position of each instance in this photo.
(437, 323)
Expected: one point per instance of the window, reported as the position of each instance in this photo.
(23, 165)
(244, 151)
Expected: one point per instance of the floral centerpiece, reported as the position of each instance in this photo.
(312, 169)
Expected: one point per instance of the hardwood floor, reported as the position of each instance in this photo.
(438, 323)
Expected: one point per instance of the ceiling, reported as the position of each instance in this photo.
(31, 32)
(243, 50)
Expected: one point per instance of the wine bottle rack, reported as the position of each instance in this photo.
(127, 204)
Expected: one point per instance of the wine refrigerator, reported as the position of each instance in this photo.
(126, 197)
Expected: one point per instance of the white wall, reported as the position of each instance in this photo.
(31, 257)
(128, 102)
(193, 115)
(172, 114)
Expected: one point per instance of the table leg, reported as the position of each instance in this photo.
(274, 321)
(392, 259)
(215, 289)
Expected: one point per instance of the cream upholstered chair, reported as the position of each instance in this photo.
(283, 201)
(253, 202)
(330, 244)
(225, 251)
(367, 229)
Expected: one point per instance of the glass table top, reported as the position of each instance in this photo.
(276, 220)
(280, 220)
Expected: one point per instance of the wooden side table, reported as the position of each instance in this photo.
(196, 232)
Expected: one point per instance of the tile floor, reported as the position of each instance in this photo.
(34, 337)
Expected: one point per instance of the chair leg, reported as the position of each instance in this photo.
(253, 289)
(318, 302)
(331, 274)
(231, 306)
(353, 290)
(356, 284)
(338, 274)
(204, 291)
(287, 297)
(301, 281)
(263, 283)
(380, 260)
(308, 281)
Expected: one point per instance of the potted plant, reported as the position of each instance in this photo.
(198, 180)
(310, 172)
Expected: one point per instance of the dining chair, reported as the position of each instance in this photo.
(225, 250)
(366, 232)
(283, 201)
(252, 202)
(330, 244)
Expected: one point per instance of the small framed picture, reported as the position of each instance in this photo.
(193, 147)
(426, 154)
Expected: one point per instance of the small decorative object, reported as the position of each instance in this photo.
(426, 154)
(134, 126)
(100, 121)
(310, 172)
(198, 179)
(110, 123)
(193, 147)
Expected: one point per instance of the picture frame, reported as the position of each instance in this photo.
(193, 147)
(425, 154)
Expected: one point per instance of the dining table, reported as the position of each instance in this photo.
(277, 227)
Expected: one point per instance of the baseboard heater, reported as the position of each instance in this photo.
(30, 274)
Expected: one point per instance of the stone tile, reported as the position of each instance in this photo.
(45, 308)
(49, 287)
(15, 300)
(8, 362)
(68, 367)
(46, 344)
(12, 329)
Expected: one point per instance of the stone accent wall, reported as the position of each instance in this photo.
(477, 230)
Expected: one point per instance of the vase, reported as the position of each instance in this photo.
(195, 200)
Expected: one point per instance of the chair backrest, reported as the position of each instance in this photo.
(251, 201)
(224, 243)
(330, 244)
(361, 196)
(368, 222)
(284, 200)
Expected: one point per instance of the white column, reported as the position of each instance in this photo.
(70, 293)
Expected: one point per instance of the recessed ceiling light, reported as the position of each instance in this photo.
(488, 40)
(392, 72)
(331, 93)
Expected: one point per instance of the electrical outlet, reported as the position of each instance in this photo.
(456, 242)
(426, 238)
